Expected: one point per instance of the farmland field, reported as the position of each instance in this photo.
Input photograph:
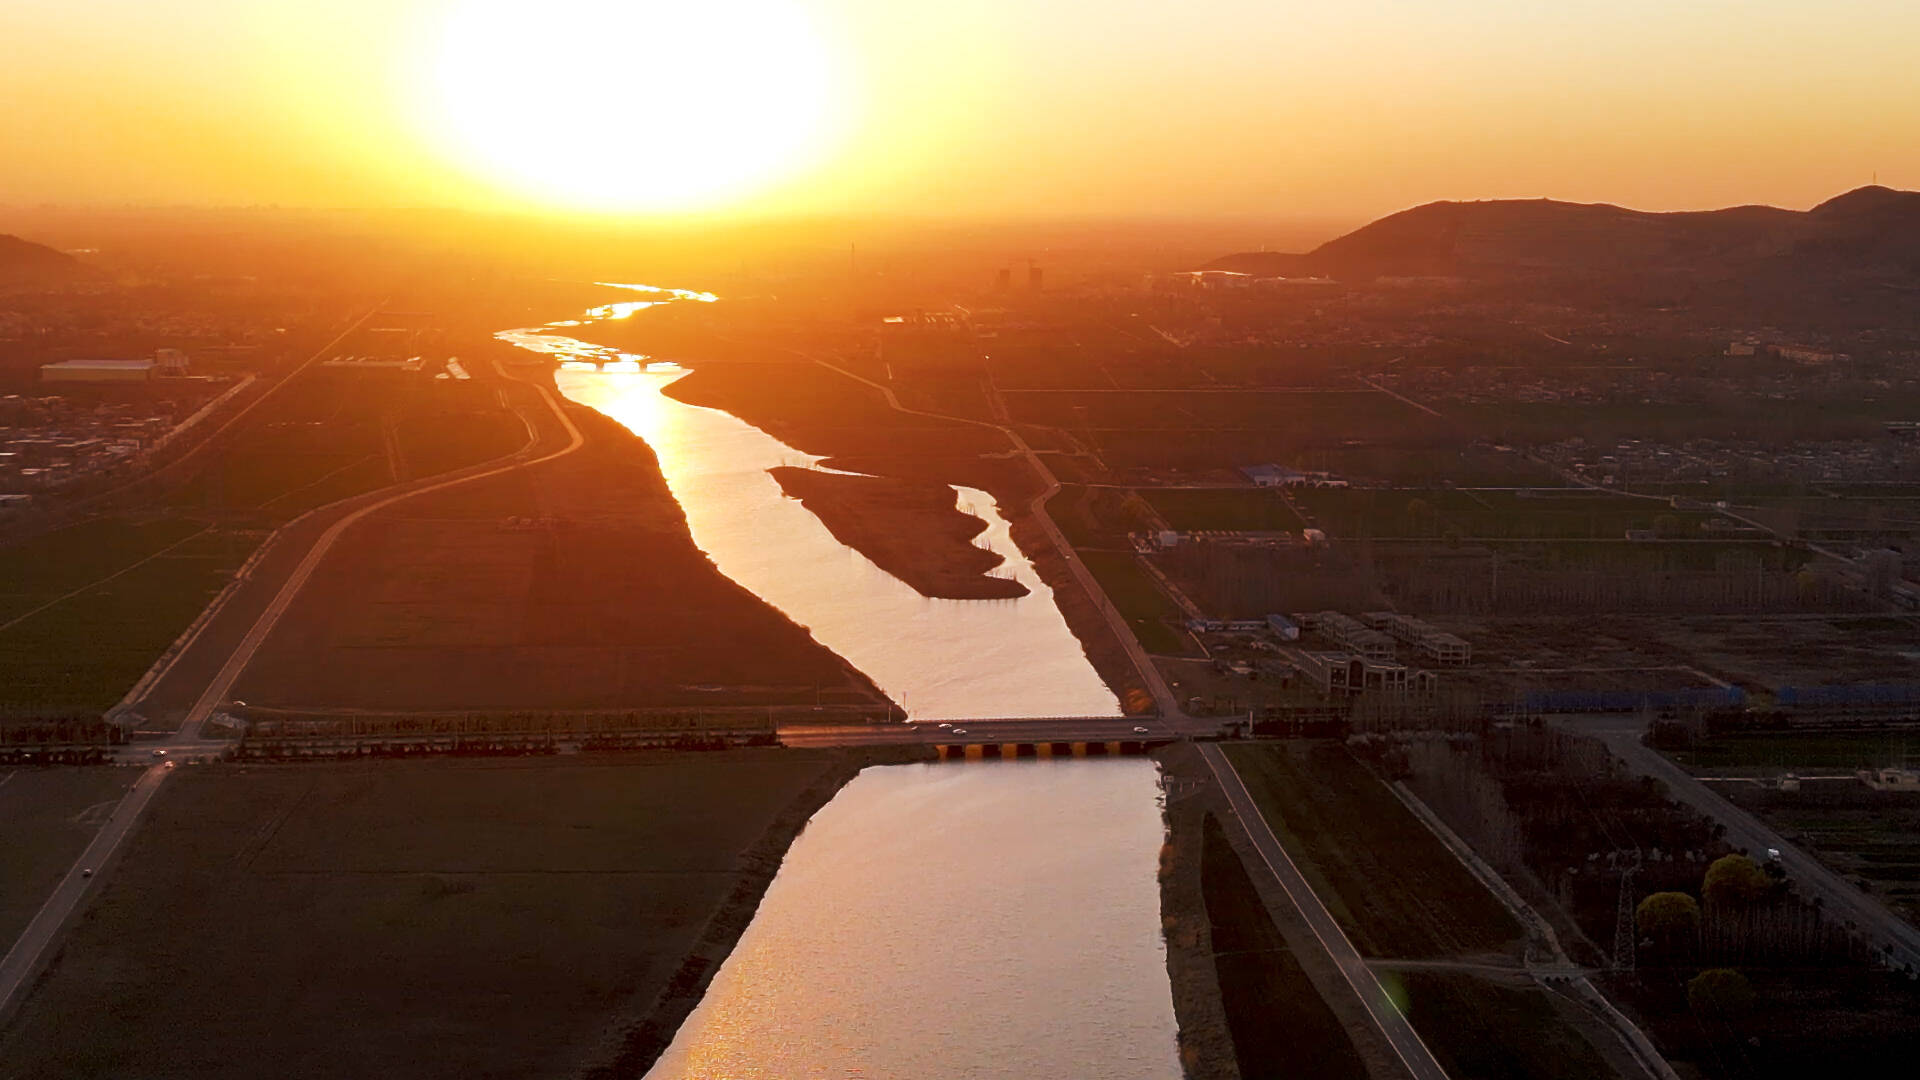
(1434, 512)
(1801, 750)
(81, 653)
(1252, 510)
(1483, 1029)
(1145, 608)
(451, 918)
(47, 816)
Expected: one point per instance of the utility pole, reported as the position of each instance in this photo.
(1625, 934)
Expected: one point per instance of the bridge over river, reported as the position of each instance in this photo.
(1015, 733)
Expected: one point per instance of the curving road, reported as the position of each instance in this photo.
(222, 683)
(32, 948)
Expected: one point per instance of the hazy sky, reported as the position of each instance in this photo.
(1213, 107)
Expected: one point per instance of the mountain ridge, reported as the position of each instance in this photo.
(23, 260)
(1864, 233)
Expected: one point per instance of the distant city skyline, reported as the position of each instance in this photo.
(1127, 108)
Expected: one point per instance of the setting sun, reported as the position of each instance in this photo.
(605, 105)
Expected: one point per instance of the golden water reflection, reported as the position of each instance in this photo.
(936, 922)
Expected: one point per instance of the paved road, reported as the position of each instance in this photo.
(23, 959)
(1392, 1025)
(1163, 698)
(1887, 931)
(218, 690)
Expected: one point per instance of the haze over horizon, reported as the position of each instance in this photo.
(760, 108)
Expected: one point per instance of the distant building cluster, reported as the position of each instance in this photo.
(1276, 476)
(47, 441)
(1365, 659)
(1623, 462)
(95, 424)
(1428, 642)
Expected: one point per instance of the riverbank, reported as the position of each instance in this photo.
(823, 412)
(633, 1048)
(1206, 1043)
(911, 530)
(1083, 615)
(571, 585)
(439, 918)
(1239, 952)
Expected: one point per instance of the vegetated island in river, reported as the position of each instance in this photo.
(910, 529)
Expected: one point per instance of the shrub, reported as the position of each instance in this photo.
(1668, 917)
(1722, 993)
(1735, 881)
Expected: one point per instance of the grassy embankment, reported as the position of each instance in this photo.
(1399, 894)
(1393, 886)
(447, 918)
(1260, 979)
(909, 529)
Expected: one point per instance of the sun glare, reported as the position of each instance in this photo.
(634, 104)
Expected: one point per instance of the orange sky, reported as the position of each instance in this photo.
(1045, 107)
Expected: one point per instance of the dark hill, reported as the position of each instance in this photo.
(1865, 236)
(23, 261)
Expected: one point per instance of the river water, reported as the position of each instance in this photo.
(938, 659)
(949, 922)
(932, 922)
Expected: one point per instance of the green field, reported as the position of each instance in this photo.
(47, 816)
(449, 918)
(1397, 891)
(1260, 979)
(1252, 510)
(1816, 415)
(1146, 609)
(1801, 750)
(81, 653)
(1482, 1029)
(48, 566)
(1438, 512)
(1873, 840)
(85, 610)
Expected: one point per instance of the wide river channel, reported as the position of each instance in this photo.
(932, 922)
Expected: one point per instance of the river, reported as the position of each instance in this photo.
(932, 922)
(938, 659)
(941, 922)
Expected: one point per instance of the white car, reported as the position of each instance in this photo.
(959, 731)
(1139, 731)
